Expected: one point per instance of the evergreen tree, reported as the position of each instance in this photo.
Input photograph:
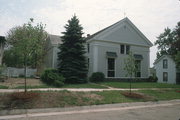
(72, 60)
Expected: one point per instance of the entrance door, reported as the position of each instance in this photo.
(111, 67)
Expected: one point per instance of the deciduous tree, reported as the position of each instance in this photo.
(130, 68)
(168, 43)
(28, 42)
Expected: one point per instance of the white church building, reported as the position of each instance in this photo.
(108, 48)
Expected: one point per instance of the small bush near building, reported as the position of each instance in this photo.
(152, 79)
(21, 76)
(97, 77)
(52, 77)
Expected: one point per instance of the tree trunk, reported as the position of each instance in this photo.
(130, 86)
(25, 71)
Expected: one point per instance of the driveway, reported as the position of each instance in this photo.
(163, 110)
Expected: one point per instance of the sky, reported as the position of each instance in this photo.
(151, 17)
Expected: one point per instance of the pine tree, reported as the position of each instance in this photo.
(72, 60)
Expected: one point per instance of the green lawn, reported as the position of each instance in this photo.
(111, 97)
(162, 94)
(100, 85)
(31, 87)
(3, 87)
(139, 85)
(116, 96)
(86, 85)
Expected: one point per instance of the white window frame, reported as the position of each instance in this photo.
(165, 61)
(125, 52)
(114, 67)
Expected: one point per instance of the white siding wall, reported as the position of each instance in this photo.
(98, 59)
(171, 70)
(49, 59)
(91, 57)
(55, 56)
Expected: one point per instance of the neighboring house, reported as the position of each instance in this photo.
(166, 70)
(53, 42)
(2, 43)
(108, 48)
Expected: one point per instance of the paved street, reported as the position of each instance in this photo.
(165, 110)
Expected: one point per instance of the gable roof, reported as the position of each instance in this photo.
(158, 60)
(54, 39)
(109, 28)
(93, 35)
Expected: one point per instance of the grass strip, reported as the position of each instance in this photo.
(140, 85)
(3, 87)
(87, 85)
(50, 99)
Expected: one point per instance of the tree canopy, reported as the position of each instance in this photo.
(26, 42)
(72, 60)
(168, 43)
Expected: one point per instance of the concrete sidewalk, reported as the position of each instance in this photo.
(31, 113)
(79, 89)
(61, 89)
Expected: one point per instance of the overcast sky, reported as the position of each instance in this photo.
(150, 16)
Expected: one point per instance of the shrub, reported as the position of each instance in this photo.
(52, 77)
(58, 83)
(21, 76)
(2, 68)
(32, 76)
(152, 79)
(97, 77)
